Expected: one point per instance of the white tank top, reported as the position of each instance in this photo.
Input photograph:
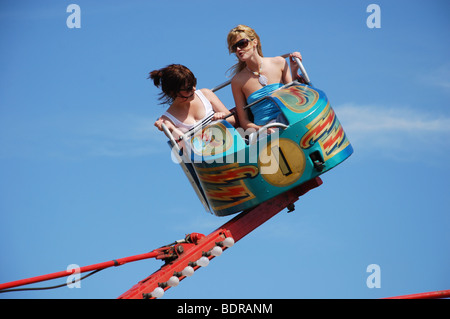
(186, 127)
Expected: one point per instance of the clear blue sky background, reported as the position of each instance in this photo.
(86, 178)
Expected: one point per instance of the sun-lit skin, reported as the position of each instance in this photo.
(244, 83)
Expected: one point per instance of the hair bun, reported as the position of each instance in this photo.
(156, 76)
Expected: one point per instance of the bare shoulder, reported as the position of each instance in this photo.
(239, 79)
(207, 92)
(166, 120)
(278, 60)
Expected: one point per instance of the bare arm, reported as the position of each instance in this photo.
(219, 108)
(241, 102)
(294, 66)
(286, 74)
(172, 128)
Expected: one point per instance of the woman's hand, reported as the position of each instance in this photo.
(219, 116)
(159, 122)
(294, 65)
(294, 55)
(172, 128)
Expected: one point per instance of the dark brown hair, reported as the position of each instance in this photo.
(172, 79)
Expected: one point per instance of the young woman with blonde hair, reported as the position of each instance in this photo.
(256, 76)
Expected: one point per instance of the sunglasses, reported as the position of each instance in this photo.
(241, 44)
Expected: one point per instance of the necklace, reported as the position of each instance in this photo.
(261, 78)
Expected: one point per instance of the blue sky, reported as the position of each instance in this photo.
(86, 178)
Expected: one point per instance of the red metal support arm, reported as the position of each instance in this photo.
(188, 252)
(426, 295)
(196, 248)
(65, 273)
(236, 228)
(167, 252)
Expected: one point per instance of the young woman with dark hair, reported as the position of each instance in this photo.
(188, 106)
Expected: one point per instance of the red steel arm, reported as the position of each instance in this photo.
(237, 228)
(425, 295)
(65, 273)
(186, 252)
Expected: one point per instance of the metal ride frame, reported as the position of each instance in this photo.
(183, 257)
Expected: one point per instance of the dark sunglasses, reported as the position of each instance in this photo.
(241, 44)
(188, 90)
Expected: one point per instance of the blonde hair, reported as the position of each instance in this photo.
(247, 32)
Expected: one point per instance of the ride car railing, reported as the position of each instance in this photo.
(208, 119)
